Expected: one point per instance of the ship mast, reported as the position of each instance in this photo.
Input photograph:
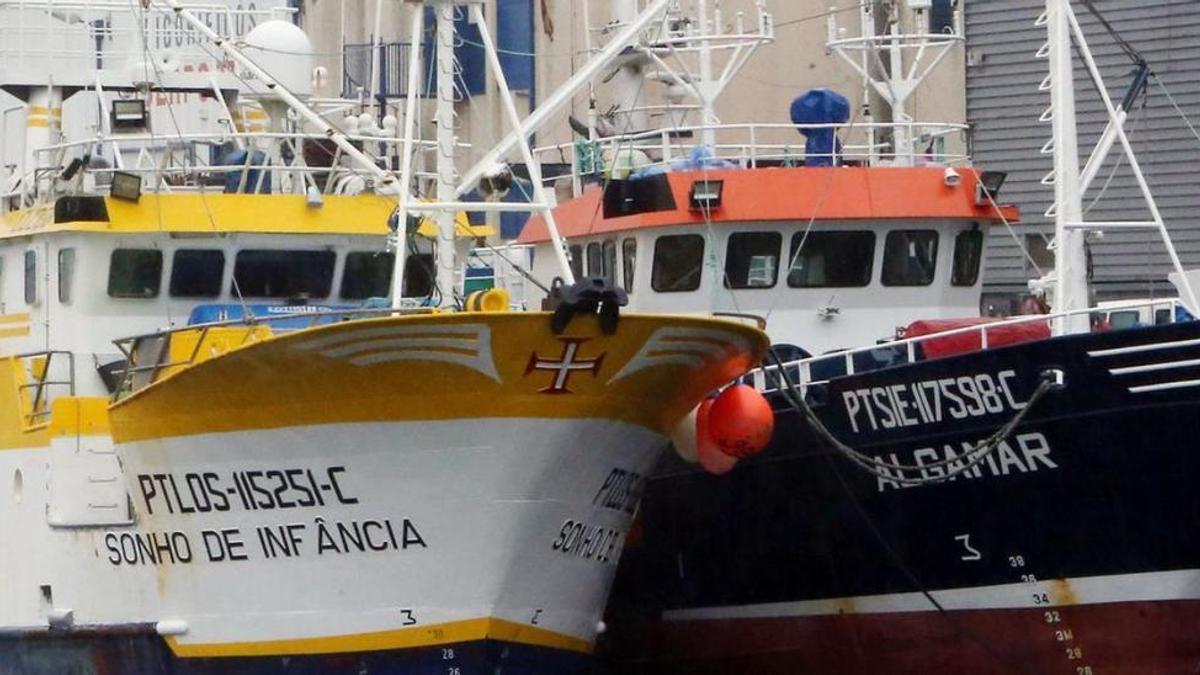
(1070, 254)
(629, 81)
(447, 139)
(1066, 38)
(894, 54)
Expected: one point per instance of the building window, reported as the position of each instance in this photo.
(298, 275)
(66, 274)
(968, 254)
(368, 275)
(832, 259)
(31, 294)
(1040, 258)
(576, 261)
(678, 263)
(910, 258)
(418, 276)
(752, 260)
(595, 260)
(197, 273)
(629, 262)
(135, 273)
(610, 261)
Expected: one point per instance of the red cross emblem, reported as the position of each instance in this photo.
(564, 366)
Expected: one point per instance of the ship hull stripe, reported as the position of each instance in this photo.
(1151, 586)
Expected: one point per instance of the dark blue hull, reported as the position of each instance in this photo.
(1098, 484)
(141, 653)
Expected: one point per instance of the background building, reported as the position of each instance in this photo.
(1003, 104)
(994, 87)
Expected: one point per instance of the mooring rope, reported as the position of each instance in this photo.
(895, 471)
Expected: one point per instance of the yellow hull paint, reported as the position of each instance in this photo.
(356, 373)
(403, 638)
(200, 214)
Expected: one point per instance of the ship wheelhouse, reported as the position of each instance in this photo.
(161, 264)
(850, 253)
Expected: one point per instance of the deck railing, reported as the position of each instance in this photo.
(746, 146)
(148, 356)
(193, 162)
(48, 374)
(907, 350)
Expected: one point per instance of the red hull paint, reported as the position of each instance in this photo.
(1132, 638)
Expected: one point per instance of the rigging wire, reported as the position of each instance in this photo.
(822, 15)
(1130, 51)
(904, 568)
(1178, 109)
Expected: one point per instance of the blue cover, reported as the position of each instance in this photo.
(821, 106)
(216, 313)
(233, 178)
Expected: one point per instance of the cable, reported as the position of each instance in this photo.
(898, 561)
(1186, 120)
(1130, 51)
(822, 15)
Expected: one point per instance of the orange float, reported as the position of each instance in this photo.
(713, 460)
(741, 422)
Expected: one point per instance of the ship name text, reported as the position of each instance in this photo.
(249, 490)
(914, 404)
(181, 494)
(621, 491)
(1023, 453)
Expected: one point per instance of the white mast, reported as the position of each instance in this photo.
(446, 141)
(1070, 255)
(921, 47)
(629, 82)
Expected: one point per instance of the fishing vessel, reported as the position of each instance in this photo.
(960, 495)
(239, 433)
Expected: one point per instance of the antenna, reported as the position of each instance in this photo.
(912, 35)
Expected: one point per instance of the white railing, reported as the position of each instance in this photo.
(508, 266)
(183, 162)
(745, 146)
(36, 34)
(767, 378)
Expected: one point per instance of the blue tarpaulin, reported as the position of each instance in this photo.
(821, 106)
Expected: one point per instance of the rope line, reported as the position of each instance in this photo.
(883, 469)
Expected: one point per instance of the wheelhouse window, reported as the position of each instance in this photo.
(910, 258)
(135, 273)
(66, 274)
(576, 261)
(368, 275)
(832, 259)
(284, 274)
(595, 260)
(968, 254)
(629, 262)
(752, 260)
(418, 276)
(610, 261)
(197, 273)
(31, 294)
(678, 263)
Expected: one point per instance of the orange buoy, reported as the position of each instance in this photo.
(741, 421)
(711, 457)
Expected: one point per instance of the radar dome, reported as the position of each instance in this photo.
(283, 50)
